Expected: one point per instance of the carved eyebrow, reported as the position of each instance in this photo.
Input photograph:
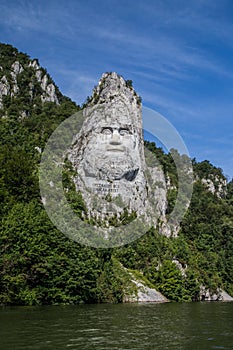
(106, 128)
(126, 128)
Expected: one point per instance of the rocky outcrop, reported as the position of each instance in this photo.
(180, 267)
(220, 295)
(216, 185)
(9, 83)
(4, 89)
(144, 293)
(109, 160)
(49, 90)
(16, 70)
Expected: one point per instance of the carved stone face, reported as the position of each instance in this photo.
(112, 150)
(108, 155)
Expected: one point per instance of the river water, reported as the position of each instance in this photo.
(188, 326)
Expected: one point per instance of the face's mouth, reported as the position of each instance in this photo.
(116, 148)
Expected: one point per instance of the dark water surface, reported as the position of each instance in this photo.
(192, 326)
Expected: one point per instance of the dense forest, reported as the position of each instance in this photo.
(39, 265)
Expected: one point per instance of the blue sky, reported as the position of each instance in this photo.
(178, 53)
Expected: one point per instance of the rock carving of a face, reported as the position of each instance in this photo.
(112, 151)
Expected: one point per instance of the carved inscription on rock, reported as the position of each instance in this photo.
(105, 188)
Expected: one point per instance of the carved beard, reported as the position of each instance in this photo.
(110, 167)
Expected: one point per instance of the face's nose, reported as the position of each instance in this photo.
(115, 139)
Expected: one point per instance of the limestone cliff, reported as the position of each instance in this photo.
(145, 292)
(24, 79)
(216, 185)
(219, 295)
(109, 159)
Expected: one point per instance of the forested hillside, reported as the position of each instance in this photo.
(39, 265)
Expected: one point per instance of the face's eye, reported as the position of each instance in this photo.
(124, 132)
(106, 131)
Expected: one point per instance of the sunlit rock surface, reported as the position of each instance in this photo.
(9, 85)
(108, 156)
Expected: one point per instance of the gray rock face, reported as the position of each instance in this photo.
(220, 295)
(4, 89)
(149, 295)
(9, 86)
(216, 185)
(49, 94)
(145, 294)
(108, 156)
